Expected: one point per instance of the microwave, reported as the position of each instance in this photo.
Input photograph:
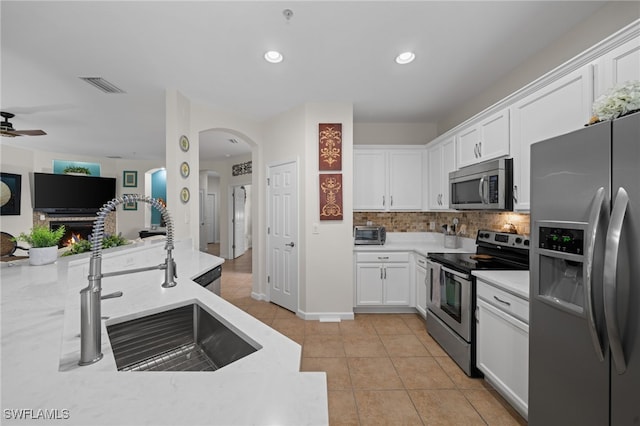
(484, 186)
(375, 235)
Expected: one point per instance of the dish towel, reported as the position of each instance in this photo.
(438, 280)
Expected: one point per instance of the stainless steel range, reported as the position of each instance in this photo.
(451, 294)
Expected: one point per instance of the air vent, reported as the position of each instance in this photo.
(102, 84)
(234, 141)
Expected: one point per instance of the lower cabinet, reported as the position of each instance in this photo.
(383, 279)
(502, 350)
(421, 285)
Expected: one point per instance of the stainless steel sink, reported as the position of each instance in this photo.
(187, 338)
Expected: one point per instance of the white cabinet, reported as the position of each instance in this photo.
(389, 179)
(560, 107)
(502, 349)
(441, 159)
(421, 285)
(620, 65)
(486, 140)
(383, 279)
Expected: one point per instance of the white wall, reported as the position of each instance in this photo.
(18, 161)
(394, 133)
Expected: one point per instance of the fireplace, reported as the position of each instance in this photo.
(74, 230)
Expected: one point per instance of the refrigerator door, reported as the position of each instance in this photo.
(625, 387)
(568, 356)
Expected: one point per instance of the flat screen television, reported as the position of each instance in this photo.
(71, 195)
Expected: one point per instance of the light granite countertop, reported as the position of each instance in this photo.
(40, 349)
(421, 243)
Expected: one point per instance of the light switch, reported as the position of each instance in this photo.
(432, 226)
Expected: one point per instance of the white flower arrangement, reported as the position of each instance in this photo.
(617, 101)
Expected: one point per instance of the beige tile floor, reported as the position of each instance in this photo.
(382, 369)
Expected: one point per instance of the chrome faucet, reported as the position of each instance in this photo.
(90, 308)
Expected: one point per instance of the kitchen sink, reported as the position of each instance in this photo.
(187, 338)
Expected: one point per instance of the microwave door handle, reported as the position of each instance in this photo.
(481, 189)
(590, 240)
(609, 282)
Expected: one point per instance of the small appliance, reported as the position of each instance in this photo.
(373, 235)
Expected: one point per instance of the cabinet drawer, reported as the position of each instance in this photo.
(506, 301)
(382, 257)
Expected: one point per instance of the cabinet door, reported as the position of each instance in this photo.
(369, 180)
(494, 139)
(560, 107)
(502, 353)
(618, 66)
(369, 279)
(405, 180)
(434, 177)
(421, 290)
(448, 165)
(468, 146)
(397, 284)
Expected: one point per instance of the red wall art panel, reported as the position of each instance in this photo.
(330, 150)
(331, 197)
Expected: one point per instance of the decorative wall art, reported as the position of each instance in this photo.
(61, 167)
(185, 169)
(130, 205)
(241, 169)
(331, 196)
(130, 178)
(184, 143)
(10, 190)
(185, 195)
(330, 151)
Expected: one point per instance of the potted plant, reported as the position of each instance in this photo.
(76, 170)
(43, 242)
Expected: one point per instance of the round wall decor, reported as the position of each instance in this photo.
(184, 169)
(184, 143)
(185, 195)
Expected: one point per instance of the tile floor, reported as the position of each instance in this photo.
(382, 369)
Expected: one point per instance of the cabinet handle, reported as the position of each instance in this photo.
(391, 200)
(475, 150)
(381, 272)
(383, 257)
(502, 301)
(480, 149)
(385, 273)
(383, 201)
(515, 193)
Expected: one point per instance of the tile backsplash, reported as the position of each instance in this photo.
(419, 221)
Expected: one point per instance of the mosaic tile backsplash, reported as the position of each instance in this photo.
(419, 221)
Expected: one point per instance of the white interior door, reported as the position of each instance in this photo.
(209, 217)
(282, 242)
(201, 227)
(239, 198)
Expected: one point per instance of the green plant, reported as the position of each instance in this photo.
(76, 169)
(82, 246)
(42, 236)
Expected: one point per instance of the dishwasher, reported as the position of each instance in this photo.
(211, 279)
(502, 350)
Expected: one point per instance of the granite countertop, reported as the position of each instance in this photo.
(514, 282)
(40, 350)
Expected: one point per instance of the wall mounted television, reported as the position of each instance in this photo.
(71, 195)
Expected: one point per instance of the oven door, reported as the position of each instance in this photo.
(449, 297)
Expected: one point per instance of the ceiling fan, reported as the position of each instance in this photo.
(7, 130)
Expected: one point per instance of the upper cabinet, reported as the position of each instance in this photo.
(559, 107)
(485, 140)
(387, 179)
(441, 159)
(617, 66)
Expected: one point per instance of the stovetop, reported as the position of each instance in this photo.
(497, 251)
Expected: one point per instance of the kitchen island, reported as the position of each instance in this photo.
(42, 383)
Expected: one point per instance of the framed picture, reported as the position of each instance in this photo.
(130, 206)
(75, 167)
(129, 178)
(10, 190)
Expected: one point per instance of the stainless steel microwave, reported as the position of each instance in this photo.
(484, 186)
(375, 235)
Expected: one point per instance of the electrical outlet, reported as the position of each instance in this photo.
(432, 226)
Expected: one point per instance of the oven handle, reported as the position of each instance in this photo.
(462, 275)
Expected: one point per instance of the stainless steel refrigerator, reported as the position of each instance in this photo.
(584, 347)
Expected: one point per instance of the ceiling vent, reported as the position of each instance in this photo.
(102, 84)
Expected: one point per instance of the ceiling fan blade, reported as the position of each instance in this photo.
(29, 132)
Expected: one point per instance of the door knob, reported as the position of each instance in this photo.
(291, 244)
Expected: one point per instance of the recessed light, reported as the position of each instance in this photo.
(405, 58)
(273, 56)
